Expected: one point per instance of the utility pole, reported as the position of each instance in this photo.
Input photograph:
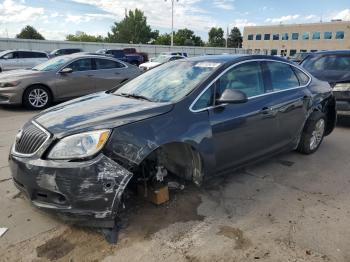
(172, 20)
(226, 36)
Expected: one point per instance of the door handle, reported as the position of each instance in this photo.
(89, 75)
(117, 73)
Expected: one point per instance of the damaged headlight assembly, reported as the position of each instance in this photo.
(79, 145)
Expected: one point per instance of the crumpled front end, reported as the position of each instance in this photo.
(84, 191)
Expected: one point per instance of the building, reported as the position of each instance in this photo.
(289, 39)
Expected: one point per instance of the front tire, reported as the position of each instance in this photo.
(37, 97)
(313, 133)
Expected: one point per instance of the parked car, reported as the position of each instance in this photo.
(192, 119)
(333, 67)
(63, 78)
(65, 51)
(17, 59)
(116, 53)
(159, 60)
(299, 57)
(134, 57)
(175, 53)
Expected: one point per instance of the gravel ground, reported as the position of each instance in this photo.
(289, 208)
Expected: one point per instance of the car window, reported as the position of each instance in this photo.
(302, 77)
(328, 62)
(169, 82)
(40, 55)
(282, 76)
(107, 64)
(246, 77)
(12, 55)
(205, 100)
(81, 65)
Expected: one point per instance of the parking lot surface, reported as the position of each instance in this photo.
(289, 208)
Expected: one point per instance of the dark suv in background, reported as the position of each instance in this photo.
(333, 67)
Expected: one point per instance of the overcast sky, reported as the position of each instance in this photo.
(57, 18)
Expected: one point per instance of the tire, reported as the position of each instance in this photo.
(37, 97)
(313, 133)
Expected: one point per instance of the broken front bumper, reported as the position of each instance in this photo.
(83, 191)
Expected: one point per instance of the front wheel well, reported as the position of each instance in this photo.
(37, 84)
(179, 159)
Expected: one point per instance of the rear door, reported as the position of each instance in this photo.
(78, 83)
(289, 98)
(242, 132)
(109, 73)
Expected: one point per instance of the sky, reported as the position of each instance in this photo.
(54, 19)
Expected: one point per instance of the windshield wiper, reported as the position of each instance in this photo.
(135, 96)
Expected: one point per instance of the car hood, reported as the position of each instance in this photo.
(20, 73)
(97, 111)
(150, 64)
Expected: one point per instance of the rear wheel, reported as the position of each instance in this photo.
(37, 97)
(313, 133)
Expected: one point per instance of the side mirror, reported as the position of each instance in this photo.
(66, 70)
(231, 96)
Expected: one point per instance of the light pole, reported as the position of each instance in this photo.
(172, 20)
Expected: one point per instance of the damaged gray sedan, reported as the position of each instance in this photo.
(193, 119)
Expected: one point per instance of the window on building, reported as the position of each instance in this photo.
(273, 51)
(276, 37)
(313, 50)
(303, 50)
(327, 35)
(339, 35)
(250, 37)
(285, 36)
(292, 52)
(258, 37)
(267, 37)
(295, 36)
(306, 36)
(316, 35)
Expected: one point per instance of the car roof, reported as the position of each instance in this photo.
(233, 58)
(24, 50)
(332, 52)
(88, 55)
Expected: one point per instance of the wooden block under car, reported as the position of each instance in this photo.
(157, 196)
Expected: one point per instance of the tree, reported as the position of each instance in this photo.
(164, 39)
(216, 37)
(183, 37)
(235, 38)
(30, 32)
(83, 37)
(132, 29)
(186, 37)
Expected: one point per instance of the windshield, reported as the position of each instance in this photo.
(161, 59)
(169, 82)
(52, 64)
(3, 53)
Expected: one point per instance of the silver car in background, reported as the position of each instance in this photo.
(17, 59)
(63, 78)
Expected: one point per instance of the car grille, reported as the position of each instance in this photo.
(31, 139)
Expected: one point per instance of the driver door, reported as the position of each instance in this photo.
(242, 132)
(77, 83)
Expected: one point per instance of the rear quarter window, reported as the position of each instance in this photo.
(282, 76)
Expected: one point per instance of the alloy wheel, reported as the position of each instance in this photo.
(317, 134)
(38, 98)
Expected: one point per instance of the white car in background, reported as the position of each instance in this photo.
(20, 59)
(159, 60)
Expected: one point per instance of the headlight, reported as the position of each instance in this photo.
(342, 87)
(79, 145)
(9, 84)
